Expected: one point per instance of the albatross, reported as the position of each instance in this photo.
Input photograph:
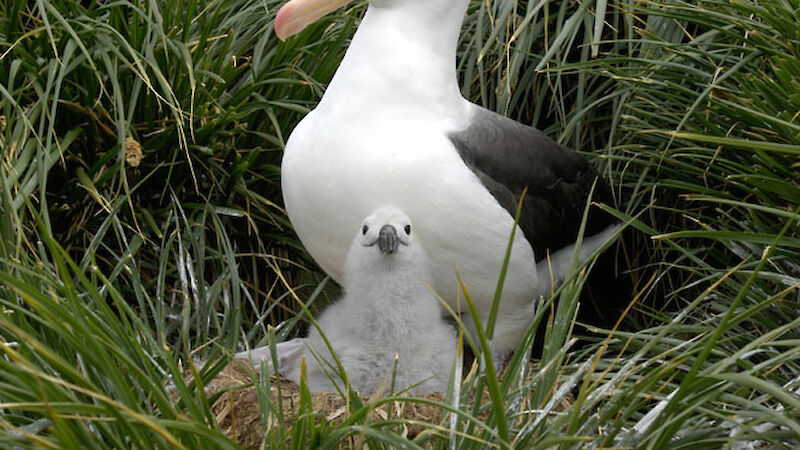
(393, 128)
(386, 329)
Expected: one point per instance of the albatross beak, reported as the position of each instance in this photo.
(296, 15)
(387, 239)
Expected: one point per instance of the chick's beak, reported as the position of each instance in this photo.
(387, 239)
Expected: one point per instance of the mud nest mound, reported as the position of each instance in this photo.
(238, 407)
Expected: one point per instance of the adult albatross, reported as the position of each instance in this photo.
(393, 129)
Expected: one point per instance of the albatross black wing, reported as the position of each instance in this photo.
(508, 156)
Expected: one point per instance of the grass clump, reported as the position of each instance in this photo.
(119, 270)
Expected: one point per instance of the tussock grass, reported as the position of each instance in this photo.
(118, 280)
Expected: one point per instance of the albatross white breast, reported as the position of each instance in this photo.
(393, 128)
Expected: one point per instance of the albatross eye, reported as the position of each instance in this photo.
(407, 229)
(364, 229)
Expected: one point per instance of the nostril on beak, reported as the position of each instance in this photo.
(387, 239)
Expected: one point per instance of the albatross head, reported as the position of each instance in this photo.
(296, 15)
(385, 253)
(388, 228)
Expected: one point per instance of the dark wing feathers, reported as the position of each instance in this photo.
(508, 156)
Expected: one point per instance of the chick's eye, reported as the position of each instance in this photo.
(364, 229)
(408, 229)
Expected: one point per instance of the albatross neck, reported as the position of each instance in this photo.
(403, 57)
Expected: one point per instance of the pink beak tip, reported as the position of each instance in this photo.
(283, 22)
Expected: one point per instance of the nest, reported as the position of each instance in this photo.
(239, 414)
(238, 410)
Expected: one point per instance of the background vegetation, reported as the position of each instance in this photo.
(141, 222)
